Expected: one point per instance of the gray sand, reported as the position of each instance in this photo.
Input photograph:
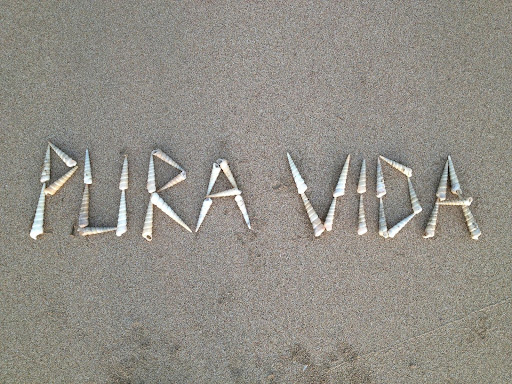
(249, 82)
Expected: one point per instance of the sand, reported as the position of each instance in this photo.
(248, 82)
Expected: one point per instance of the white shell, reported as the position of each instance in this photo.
(65, 158)
(147, 230)
(160, 203)
(207, 203)
(383, 225)
(342, 181)
(443, 183)
(95, 230)
(151, 185)
(467, 202)
(402, 168)
(241, 205)
(381, 187)
(175, 180)
(299, 181)
(121, 217)
(416, 207)
(361, 186)
(473, 228)
(225, 168)
(226, 193)
(57, 184)
(87, 169)
(398, 227)
(213, 177)
(361, 229)
(430, 229)
(329, 219)
(163, 156)
(83, 216)
(123, 184)
(45, 174)
(454, 180)
(318, 227)
(37, 225)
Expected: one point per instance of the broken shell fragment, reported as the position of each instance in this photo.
(430, 229)
(441, 190)
(416, 207)
(299, 181)
(383, 225)
(87, 169)
(121, 217)
(37, 225)
(160, 203)
(362, 229)
(175, 180)
(88, 231)
(229, 192)
(361, 187)
(381, 187)
(342, 181)
(329, 219)
(318, 227)
(123, 184)
(398, 226)
(207, 203)
(473, 228)
(65, 158)
(57, 184)
(83, 216)
(454, 180)
(213, 177)
(151, 185)
(45, 174)
(227, 171)
(465, 202)
(241, 205)
(147, 230)
(402, 168)
(163, 156)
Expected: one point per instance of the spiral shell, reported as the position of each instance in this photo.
(166, 158)
(361, 186)
(57, 184)
(123, 183)
(45, 174)
(207, 203)
(241, 205)
(430, 229)
(83, 216)
(383, 225)
(37, 225)
(361, 229)
(151, 184)
(381, 187)
(227, 171)
(416, 207)
(318, 227)
(213, 177)
(342, 181)
(226, 193)
(465, 202)
(454, 180)
(299, 181)
(65, 158)
(121, 217)
(441, 190)
(88, 231)
(402, 168)
(175, 180)
(147, 230)
(87, 169)
(473, 228)
(329, 219)
(160, 203)
(398, 227)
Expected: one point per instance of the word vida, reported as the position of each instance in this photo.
(222, 165)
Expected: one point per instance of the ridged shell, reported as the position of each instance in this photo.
(123, 184)
(430, 229)
(299, 181)
(361, 186)
(398, 227)
(383, 225)
(241, 205)
(207, 203)
(122, 226)
(402, 168)
(151, 185)
(361, 229)
(83, 216)
(226, 193)
(342, 181)
(213, 177)
(454, 180)
(175, 180)
(329, 219)
(147, 230)
(45, 174)
(416, 207)
(164, 207)
(65, 158)
(57, 184)
(473, 228)
(37, 225)
(443, 183)
(87, 169)
(381, 187)
(227, 171)
(318, 227)
(166, 158)
(88, 231)
(467, 202)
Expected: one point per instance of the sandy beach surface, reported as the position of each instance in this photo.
(248, 81)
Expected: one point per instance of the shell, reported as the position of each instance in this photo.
(398, 226)
(241, 205)
(123, 184)
(441, 190)
(416, 207)
(225, 168)
(45, 174)
(383, 225)
(65, 158)
(37, 225)
(454, 180)
(342, 181)
(95, 230)
(207, 203)
(361, 187)
(229, 192)
(87, 169)
(381, 187)
(361, 229)
(329, 219)
(430, 229)
(465, 202)
(213, 177)
(473, 228)
(318, 227)
(402, 168)
(151, 184)
(121, 217)
(163, 156)
(57, 184)
(160, 203)
(175, 180)
(147, 230)
(299, 181)
(83, 216)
